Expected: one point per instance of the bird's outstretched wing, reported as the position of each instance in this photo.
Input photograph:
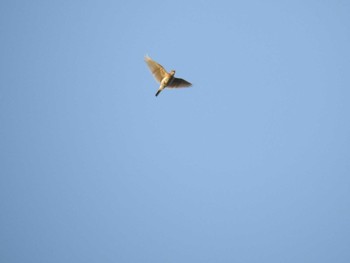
(157, 70)
(179, 83)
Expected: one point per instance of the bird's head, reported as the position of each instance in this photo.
(172, 72)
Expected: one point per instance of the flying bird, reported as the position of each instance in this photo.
(166, 80)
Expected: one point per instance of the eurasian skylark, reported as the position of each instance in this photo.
(166, 80)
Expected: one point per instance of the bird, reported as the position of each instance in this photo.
(166, 80)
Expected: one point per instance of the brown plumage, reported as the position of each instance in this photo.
(166, 80)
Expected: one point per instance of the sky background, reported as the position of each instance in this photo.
(251, 164)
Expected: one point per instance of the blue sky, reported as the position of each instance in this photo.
(251, 164)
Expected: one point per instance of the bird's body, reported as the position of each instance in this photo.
(167, 80)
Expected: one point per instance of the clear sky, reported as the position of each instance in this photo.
(251, 164)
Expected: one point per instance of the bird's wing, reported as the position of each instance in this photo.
(179, 83)
(157, 70)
